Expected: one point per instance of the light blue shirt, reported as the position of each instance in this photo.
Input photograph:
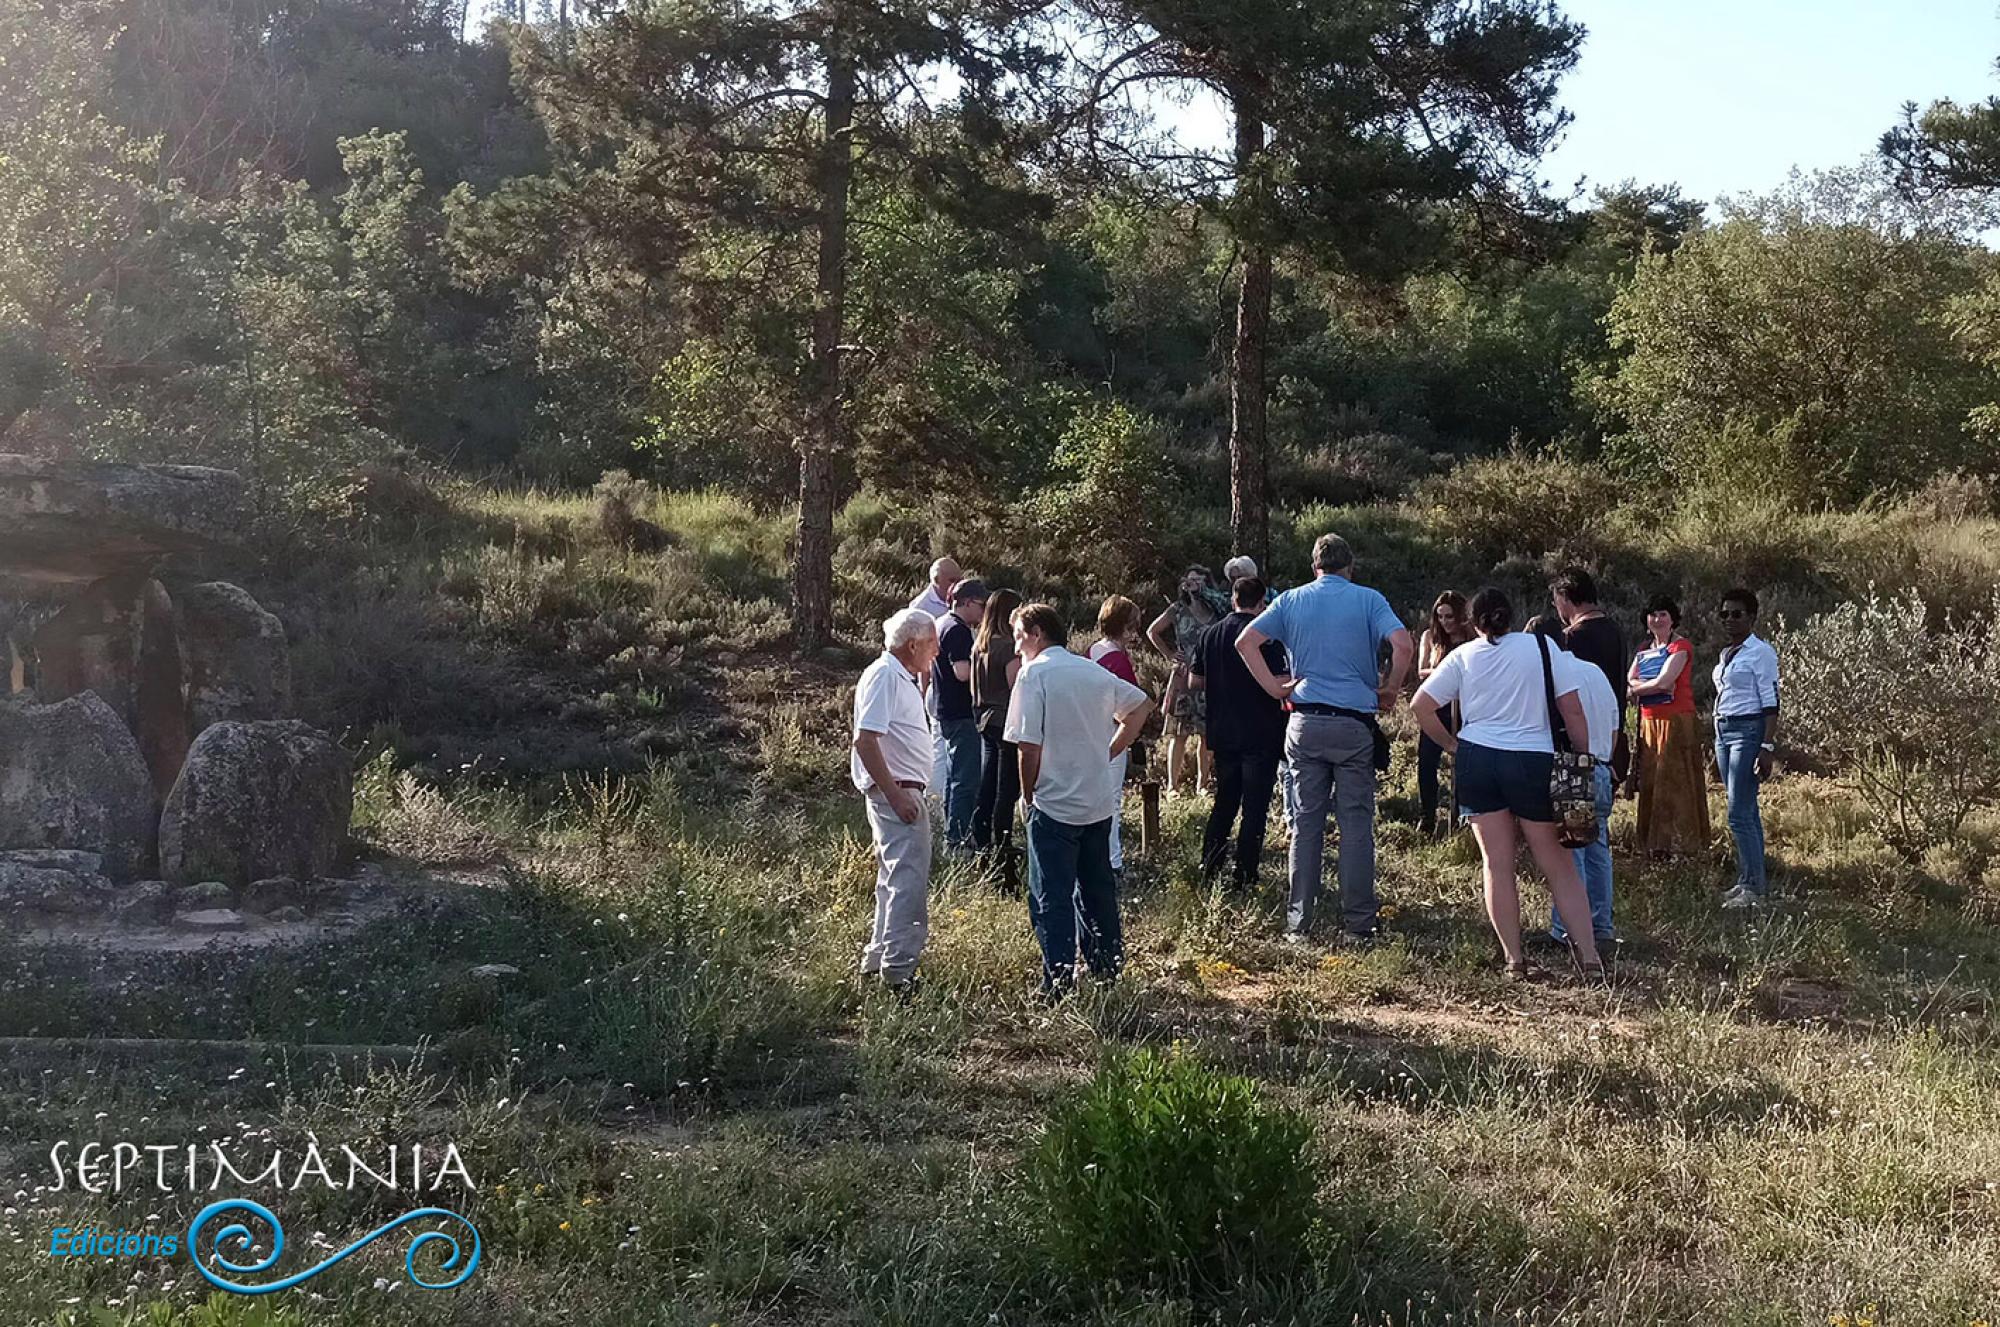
(1333, 630)
(1746, 681)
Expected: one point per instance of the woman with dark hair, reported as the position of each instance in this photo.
(1118, 620)
(1450, 627)
(995, 668)
(1673, 793)
(1505, 749)
(1177, 633)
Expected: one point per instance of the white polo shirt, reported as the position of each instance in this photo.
(889, 702)
(1593, 688)
(932, 602)
(1071, 707)
(1746, 681)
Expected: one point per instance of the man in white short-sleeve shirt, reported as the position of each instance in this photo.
(1600, 715)
(1071, 719)
(890, 764)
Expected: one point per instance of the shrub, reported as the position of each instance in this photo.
(1168, 1173)
(620, 501)
(1104, 518)
(1523, 503)
(1373, 467)
(1899, 699)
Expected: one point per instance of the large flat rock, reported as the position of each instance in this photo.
(68, 521)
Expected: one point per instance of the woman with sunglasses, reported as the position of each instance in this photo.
(1450, 627)
(1746, 735)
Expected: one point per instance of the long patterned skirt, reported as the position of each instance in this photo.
(1673, 790)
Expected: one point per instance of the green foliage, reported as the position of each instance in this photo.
(1105, 512)
(1523, 504)
(1801, 350)
(1897, 696)
(1165, 1172)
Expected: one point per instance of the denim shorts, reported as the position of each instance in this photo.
(1490, 780)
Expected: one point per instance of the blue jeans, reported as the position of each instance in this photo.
(1073, 898)
(961, 779)
(1738, 743)
(1593, 863)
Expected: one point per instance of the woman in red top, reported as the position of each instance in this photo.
(1673, 794)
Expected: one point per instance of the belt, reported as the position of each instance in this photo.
(1336, 711)
(911, 784)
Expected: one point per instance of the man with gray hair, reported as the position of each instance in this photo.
(1240, 567)
(1333, 631)
(891, 764)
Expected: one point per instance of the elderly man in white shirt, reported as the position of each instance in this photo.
(1071, 719)
(890, 764)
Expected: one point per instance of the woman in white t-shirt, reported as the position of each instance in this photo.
(1505, 753)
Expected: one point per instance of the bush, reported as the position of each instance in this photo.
(620, 501)
(1899, 700)
(1374, 467)
(1168, 1173)
(1104, 518)
(1523, 503)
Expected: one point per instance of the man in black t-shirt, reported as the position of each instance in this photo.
(951, 687)
(1591, 636)
(1245, 730)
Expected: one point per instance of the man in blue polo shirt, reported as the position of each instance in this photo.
(1333, 631)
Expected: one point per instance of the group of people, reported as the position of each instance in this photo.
(978, 696)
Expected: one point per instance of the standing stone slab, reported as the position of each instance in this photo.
(72, 776)
(256, 800)
(238, 664)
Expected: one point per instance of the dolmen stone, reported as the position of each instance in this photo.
(72, 777)
(238, 664)
(257, 800)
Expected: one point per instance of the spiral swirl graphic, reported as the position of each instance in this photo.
(238, 1238)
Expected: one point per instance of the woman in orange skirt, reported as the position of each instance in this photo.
(1673, 791)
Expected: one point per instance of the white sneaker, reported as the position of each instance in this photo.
(1739, 898)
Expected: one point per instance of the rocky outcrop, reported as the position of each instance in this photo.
(238, 665)
(70, 521)
(72, 776)
(256, 800)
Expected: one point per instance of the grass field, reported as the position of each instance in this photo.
(685, 1109)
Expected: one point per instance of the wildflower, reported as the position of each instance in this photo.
(563, 1226)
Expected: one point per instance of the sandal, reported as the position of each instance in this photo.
(1593, 974)
(1520, 970)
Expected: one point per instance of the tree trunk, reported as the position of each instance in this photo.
(1249, 452)
(812, 588)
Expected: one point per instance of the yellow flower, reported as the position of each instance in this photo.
(563, 1226)
(590, 1202)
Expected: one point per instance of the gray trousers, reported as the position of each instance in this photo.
(902, 891)
(1332, 759)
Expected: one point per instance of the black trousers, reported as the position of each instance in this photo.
(1243, 782)
(999, 789)
(1429, 756)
